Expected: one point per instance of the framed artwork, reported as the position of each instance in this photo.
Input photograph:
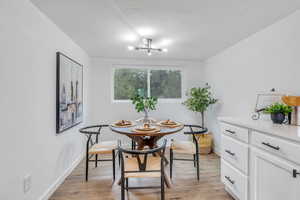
(69, 93)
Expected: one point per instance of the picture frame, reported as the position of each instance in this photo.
(69, 92)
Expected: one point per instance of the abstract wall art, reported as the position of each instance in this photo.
(69, 93)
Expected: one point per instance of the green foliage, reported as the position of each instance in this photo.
(127, 82)
(199, 99)
(165, 83)
(278, 108)
(144, 103)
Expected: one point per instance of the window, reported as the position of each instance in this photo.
(161, 83)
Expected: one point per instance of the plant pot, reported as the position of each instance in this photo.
(277, 118)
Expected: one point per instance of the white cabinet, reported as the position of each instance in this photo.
(260, 160)
(235, 152)
(235, 132)
(234, 180)
(272, 178)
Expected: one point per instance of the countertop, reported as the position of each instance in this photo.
(284, 131)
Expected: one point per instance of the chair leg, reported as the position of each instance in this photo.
(194, 160)
(127, 183)
(197, 160)
(162, 187)
(87, 167)
(114, 164)
(119, 157)
(96, 161)
(122, 189)
(171, 163)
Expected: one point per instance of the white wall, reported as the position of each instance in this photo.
(267, 59)
(29, 144)
(106, 111)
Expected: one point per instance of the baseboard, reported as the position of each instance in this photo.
(47, 194)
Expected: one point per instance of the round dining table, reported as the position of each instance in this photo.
(147, 139)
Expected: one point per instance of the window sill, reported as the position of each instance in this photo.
(159, 101)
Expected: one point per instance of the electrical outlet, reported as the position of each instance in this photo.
(27, 183)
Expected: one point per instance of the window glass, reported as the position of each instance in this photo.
(165, 83)
(127, 82)
(161, 83)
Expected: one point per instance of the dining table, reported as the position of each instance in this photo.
(149, 139)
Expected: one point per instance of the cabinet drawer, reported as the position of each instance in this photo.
(235, 152)
(280, 147)
(235, 181)
(235, 132)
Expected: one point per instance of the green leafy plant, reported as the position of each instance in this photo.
(199, 99)
(278, 108)
(144, 104)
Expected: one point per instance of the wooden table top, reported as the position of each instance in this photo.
(130, 132)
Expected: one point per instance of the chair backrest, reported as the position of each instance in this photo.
(142, 155)
(90, 131)
(200, 130)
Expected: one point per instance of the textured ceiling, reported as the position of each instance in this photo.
(190, 29)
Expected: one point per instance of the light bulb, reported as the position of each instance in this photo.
(165, 50)
(130, 48)
(149, 53)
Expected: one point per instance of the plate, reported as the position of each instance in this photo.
(170, 124)
(146, 130)
(123, 123)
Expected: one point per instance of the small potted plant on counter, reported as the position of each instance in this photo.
(144, 104)
(278, 112)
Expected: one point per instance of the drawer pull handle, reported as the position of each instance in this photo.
(295, 173)
(229, 179)
(230, 131)
(229, 152)
(271, 146)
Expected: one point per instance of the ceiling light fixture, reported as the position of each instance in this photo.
(147, 47)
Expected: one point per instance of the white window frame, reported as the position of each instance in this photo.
(148, 68)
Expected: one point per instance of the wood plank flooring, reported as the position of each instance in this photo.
(184, 183)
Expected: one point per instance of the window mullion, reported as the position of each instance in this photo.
(148, 83)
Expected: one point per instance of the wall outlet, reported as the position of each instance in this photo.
(27, 183)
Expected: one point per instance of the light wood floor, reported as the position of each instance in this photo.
(184, 183)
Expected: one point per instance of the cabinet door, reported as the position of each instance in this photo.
(271, 178)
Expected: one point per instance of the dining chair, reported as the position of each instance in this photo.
(95, 148)
(142, 164)
(187, 147)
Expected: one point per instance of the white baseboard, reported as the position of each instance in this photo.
(47, 194)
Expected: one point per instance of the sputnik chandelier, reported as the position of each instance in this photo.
(147, 47)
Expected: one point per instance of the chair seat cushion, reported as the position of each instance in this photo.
(185, 147)
(104, 147)
(131, 164)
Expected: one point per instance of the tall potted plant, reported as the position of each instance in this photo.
(144, 104)
(199, 99)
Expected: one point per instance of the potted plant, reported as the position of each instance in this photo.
(199, 99)
(278, 111)
(144, 104)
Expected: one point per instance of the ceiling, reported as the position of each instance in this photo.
(190, 29)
